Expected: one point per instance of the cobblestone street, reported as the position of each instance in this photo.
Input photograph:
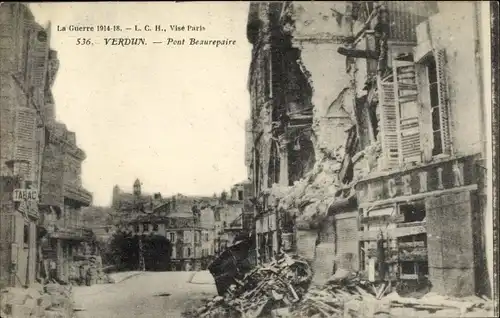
(149, 294)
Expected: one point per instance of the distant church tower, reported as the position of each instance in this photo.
(137, 188)
(115, 197)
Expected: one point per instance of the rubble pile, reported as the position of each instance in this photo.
(349, 296)
(50, 301)
(329, 300)
(279, 283)
(88, 271)
(320, 184)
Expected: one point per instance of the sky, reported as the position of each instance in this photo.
(171, 116)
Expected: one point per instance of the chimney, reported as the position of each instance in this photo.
(173, 203)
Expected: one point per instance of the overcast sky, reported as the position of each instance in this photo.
(171, 116)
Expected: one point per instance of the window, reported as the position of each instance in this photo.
(172, 237)
(155, 227)
(187, 237)
(414, 111)
(145, 227)
(136, 228)
(414, 212)
(436, 99)
(240, 195)
(434, 104)
(26, 234)
(188, 252)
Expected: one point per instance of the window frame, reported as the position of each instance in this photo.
(443, 106)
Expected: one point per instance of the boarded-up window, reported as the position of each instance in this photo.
(450, 244)
(347, 244)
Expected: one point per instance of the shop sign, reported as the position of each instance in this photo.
(25, 195)
(443, 176)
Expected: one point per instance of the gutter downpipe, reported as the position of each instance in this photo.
(482, 74)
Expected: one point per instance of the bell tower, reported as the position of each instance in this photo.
(137, 188)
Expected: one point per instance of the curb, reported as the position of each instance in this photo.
(190, 280)
(128, 277)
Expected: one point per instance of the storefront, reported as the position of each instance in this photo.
(267, 236)
(421, 222)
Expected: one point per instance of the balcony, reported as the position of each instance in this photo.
(77, 193)
(72, 233)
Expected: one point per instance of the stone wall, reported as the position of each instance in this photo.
(52, 176)
(318, 32)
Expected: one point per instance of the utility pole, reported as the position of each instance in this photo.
(142, 266)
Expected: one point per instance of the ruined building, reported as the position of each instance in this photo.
(187, 222)
(234, 215)
(39, 158)
(300, 111)
(393, 139)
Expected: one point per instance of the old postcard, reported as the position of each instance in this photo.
(248, 159)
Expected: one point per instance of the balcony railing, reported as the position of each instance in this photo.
(77, 193)
(72, 233)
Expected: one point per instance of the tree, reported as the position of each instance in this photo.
(223, 195)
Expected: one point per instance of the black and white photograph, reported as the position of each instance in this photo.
(248, 159)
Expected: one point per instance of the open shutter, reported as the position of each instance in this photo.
(407, 103)
(39, 53)
(25, 132)
(388, 124)
(443, 100)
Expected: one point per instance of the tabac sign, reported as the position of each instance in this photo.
(19, 195)
(435, 177)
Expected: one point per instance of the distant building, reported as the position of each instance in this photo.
(187, 222)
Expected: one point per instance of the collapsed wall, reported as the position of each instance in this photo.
(317, 31)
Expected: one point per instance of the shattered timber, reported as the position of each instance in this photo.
(368, 186)
(367, 149)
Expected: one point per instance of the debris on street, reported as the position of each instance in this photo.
(348, 295)
(281, 289)
(52, 300)
(280, 283)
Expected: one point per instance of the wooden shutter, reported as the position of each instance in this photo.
(388, 124)
(39, 53)
(25, 134)
(406, 99)
(440, 57)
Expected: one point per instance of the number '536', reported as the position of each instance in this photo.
(83, 41)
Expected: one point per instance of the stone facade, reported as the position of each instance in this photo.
(302, 114)
(420, 190)
(23, 42)
(187, 222)
(34, 151)
(351, 114)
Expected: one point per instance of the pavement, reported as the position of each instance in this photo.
(144, 294)
(202, 277)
